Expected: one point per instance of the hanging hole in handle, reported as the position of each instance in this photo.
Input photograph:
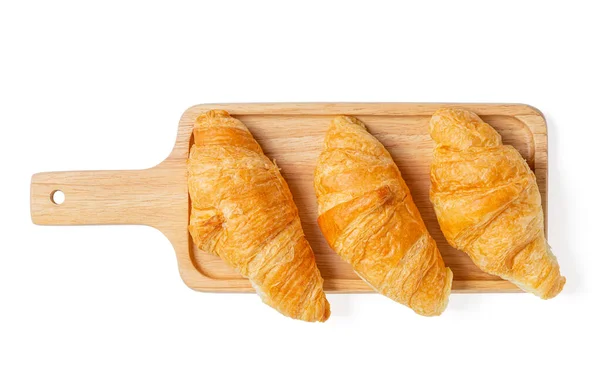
(57, 197)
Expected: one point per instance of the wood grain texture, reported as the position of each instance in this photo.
(292, 135)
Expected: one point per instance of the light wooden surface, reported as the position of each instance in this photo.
(291, 134)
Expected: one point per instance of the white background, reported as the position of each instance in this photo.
(102, 87)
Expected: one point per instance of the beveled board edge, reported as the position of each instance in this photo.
(528, 115)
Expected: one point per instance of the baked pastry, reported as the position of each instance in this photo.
(243, 211)
(488, 203)
(368, 217)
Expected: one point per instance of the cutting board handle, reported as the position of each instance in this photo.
(103, 197)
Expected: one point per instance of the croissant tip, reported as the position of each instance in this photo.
(326, 310)
(326, 314)
(213, 114)
(555, 289)
(440, 307)
(442, 110)
(314, 315)
(455, 111)
(345, 119)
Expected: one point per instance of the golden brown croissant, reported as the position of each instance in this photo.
(488, 204)
(243, 211)
(368, 217)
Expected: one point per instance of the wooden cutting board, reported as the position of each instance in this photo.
(291, 134)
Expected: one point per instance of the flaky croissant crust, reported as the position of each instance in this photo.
(488, 203)
(242, 210)
(368, 217)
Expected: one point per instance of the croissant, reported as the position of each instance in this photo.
(368, 217)
(488, 203)
(242, 210)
